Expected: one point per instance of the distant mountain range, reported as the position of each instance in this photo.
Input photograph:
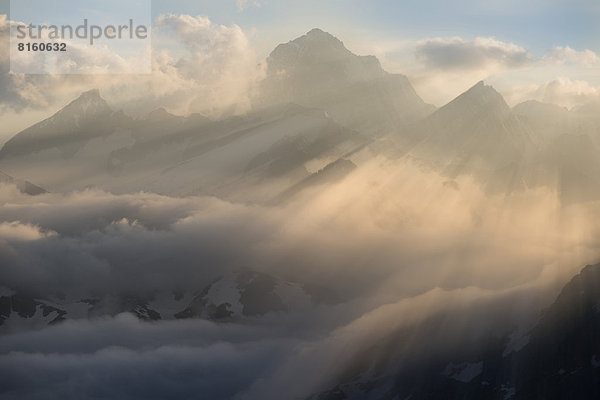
(232, 297)
(249, 158)
(319, 105)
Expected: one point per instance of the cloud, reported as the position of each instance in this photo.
(197, 66)
(443, 68)
(481, 53)
(567, 92)
(562, 91)
(325, 238)
(15, 231)
(121, 240)
(449, 66)
(16, 91)
(567, 55)
(34, 92)
(431, 249)
(127, 359)
(244, 4)
(221, 64)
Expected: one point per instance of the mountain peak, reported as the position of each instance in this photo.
(315, 46)
(319, 34)
(87, 116)
(159, 114)
(480, 87)
(92, 93)
(316, 70)
(481, 96)
(89, 102)
(316, 31)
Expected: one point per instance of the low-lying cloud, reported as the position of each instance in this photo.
(397, 242)
(387, 216)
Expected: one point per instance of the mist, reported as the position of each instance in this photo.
(396, 241)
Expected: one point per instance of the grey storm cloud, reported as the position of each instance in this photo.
(457, 53)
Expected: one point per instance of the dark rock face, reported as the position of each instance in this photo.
(560, 360)
(254, 292)
(113, 305)
(257, 294)
(27, 307)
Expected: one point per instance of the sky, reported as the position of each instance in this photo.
(534, 49)
(538, 25)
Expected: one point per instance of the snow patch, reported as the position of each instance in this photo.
(517, 341)
(508, 391)
(226, 291)
(463, 372)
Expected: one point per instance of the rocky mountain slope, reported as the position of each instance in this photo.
(317, 70)
(558, 358)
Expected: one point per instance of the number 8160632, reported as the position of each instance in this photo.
(42, 47)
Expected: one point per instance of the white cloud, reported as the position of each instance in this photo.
(424, 255)
(562, 91)
(221, 65)
(214, 73)
(481, 53)
(15, 231)
(448, 66)
(563, 55)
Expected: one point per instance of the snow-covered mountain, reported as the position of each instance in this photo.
(246, 294)
(232, 297)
